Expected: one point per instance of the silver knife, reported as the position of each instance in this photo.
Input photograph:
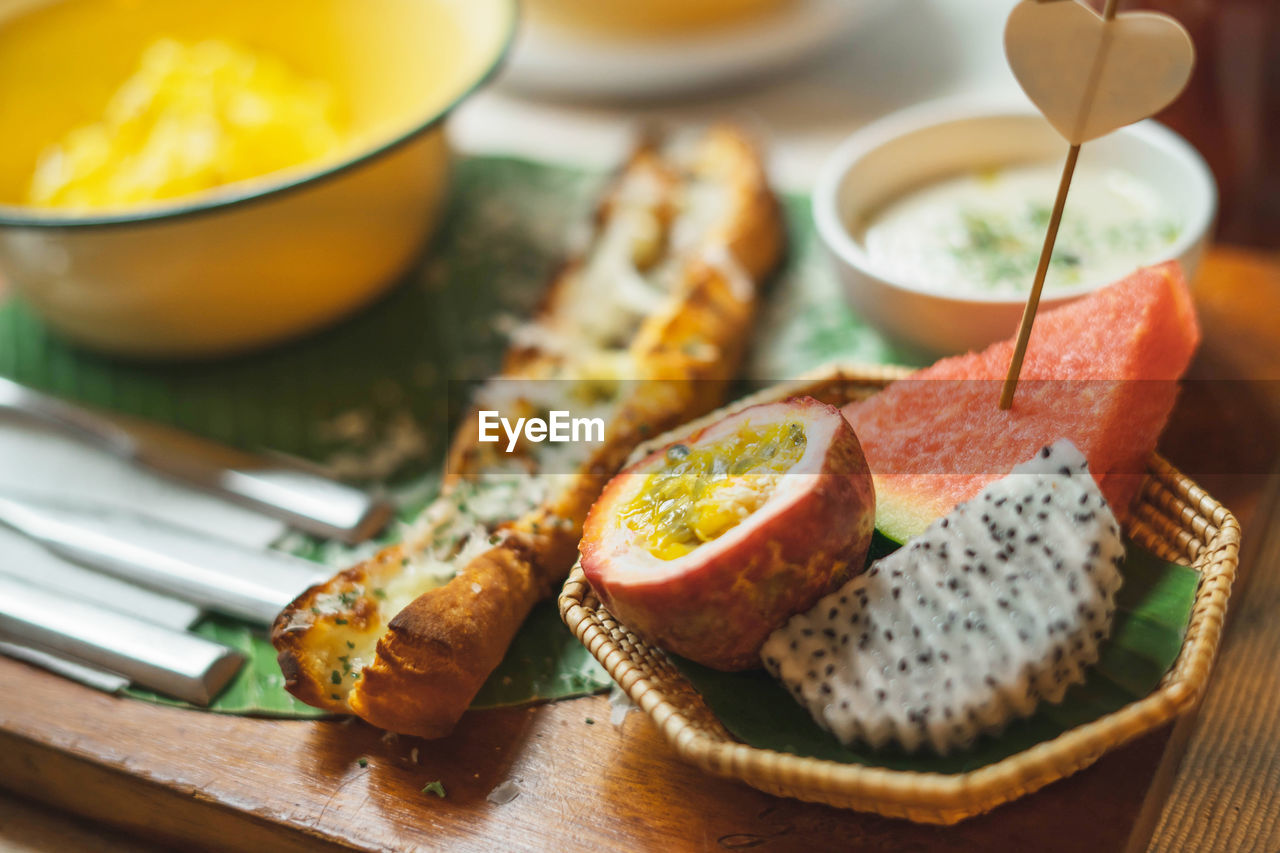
(212, 573)
(161, 659)
(288, 489)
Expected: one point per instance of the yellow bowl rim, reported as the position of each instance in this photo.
(257, 189)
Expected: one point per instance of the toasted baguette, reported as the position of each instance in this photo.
(406, 639)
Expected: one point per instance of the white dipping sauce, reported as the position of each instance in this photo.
(982, 232)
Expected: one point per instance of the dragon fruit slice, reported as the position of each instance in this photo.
(999, 605)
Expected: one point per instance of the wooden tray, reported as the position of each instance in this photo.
(1173, 517)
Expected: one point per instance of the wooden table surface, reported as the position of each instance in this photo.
(192, 778)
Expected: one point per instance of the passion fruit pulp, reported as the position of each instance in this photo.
(708, 544)
(700, 494)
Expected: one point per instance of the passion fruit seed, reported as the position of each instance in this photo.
(701, 493)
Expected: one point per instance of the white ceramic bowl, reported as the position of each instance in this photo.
(260, 260)
(934, 141)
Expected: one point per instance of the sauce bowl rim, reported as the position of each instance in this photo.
(828, 194)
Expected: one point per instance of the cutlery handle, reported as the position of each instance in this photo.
(210, 573)
(171, 662)
(100, 679)
(72, 420)
(293, 493)
(304, 500)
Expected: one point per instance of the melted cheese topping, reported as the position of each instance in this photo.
(635, 266)
(454, 530)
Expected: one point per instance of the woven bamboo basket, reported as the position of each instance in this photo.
(1173, 517)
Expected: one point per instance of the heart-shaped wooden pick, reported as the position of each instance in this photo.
(1090, 76)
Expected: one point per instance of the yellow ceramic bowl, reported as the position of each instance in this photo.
(255, 261)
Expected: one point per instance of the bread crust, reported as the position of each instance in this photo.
(435, 653)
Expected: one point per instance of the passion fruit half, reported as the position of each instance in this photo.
(707, 545)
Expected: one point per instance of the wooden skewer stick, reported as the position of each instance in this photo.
(1033, 301)
(1046, 254)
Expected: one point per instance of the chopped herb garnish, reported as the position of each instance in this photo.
(315, 610)
(363, 762)
(380, 592)
(436, 787)
(339, 621)
(590, 722)
(335, 677)
(335, 697)
(350, 644)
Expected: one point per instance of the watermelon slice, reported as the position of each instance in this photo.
(1101, 371)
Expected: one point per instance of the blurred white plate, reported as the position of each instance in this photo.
(554, 62)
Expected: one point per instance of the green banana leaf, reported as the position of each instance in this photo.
(409, 357)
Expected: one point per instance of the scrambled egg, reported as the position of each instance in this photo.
(701, 493)
(192, 117)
